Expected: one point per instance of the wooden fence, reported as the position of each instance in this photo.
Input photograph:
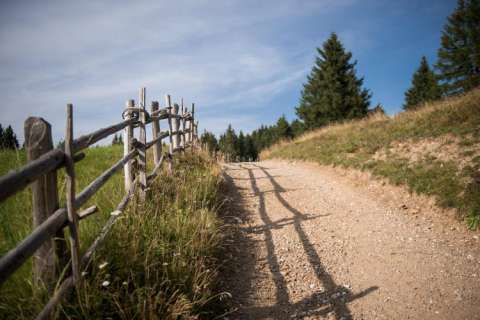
(46, 242)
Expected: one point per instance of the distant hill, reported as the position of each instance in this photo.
(434, 150)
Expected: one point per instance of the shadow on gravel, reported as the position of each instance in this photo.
(333, 299)
(236, 274)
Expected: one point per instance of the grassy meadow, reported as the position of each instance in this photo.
(158, 261)
(434, 150)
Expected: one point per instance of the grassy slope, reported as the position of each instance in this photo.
(357, 144)
(159, 255)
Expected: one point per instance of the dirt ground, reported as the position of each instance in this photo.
(312, 242)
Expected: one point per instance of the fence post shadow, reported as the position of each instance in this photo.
(333, 299)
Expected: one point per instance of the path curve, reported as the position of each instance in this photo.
(312, 245)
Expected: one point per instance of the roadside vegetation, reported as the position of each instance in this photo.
(158, 261)
(434, 150)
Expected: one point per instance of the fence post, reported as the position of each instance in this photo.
(157, 147)
(127, 146)
(38, 140)
(182, 124)
(184, 140)
(192, 125)
(168, 103)
(142, 157)
(195, 133)
(176, 127)
(187, 127)
(70, 196)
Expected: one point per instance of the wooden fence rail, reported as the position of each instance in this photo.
(46, 241)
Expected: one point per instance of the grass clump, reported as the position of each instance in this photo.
(433, 150)
(157, 261)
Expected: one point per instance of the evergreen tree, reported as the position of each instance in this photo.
(117, 139)
(333, 91)
(10, 139)
(228, 143)
(377, 110)
(251, 153)
(424, 87)
(459, 55)
(209, 141)
(298, 128)
(1, 137)
(61, 144)
(283, 129)
(240, 146)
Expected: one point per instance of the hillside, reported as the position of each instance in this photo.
(434, 151)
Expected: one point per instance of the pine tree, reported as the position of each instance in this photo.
(424, 87)
(377, 110)
(240, 146)
(209, 141)
(228, 142)
(459, 55)
(283, 129)
(333, 91)
(1, 137)
(117, 139)
(250, 150)
(298, 128)
(10, 139)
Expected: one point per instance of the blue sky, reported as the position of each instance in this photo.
(242, 62)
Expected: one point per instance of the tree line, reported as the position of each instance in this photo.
(8, 138)
(333, 92)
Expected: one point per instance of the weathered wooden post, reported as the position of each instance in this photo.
(127, 145)
(70, 197)
(182, 122)
(157, 147)
(176, 127)
(142, 156)
(192, 124)
(195, 133)
(187, 127)
(168, 103)
(192, 127)
(38, 140)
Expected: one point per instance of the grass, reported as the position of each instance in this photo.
(158, 261)
(400, 149)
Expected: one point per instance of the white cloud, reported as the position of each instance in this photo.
(97, 55)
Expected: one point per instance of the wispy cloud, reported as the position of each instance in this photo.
(97, 55)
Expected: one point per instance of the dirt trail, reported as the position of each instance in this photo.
(313, 245)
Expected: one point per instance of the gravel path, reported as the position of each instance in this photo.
(313, 244)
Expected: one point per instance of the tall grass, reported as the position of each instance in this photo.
(157, 261)
(356, 143)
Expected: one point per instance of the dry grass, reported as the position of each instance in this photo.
(357, 144)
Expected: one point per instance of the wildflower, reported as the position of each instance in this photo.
(105, 283)
(103, 265)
